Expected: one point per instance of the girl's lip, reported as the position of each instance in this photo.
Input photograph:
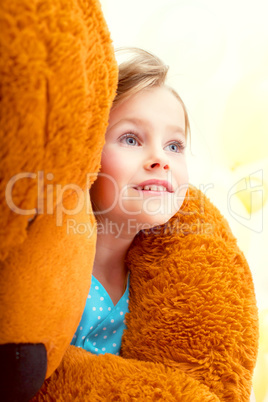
(156, 182)
(152, 193)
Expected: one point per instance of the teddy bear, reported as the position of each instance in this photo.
(192, 327)
(58, 79)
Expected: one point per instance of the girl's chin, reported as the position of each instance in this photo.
(129, 226)
(147, 222)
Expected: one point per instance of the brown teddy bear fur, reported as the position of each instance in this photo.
(192, 328)
(85, 377)
(192, 287)
(58, 80)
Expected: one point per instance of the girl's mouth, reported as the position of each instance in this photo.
(155, 186)
(152, 188)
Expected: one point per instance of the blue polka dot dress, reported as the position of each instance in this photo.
(102, 324)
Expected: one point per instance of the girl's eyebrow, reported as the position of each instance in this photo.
(144, 122)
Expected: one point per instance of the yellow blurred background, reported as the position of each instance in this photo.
(218, 57)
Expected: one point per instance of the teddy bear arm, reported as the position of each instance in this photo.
(119, 379)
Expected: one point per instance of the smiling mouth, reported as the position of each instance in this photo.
(155, 186)
(159, 189)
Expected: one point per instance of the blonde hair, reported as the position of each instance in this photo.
(143, 70)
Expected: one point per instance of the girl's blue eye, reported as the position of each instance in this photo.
(173, 147)
(176, 146)
(129, 139)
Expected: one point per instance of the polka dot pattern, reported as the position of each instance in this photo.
(101, 315)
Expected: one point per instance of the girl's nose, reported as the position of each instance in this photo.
(157, 163)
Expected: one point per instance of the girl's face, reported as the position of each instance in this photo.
(143, 178)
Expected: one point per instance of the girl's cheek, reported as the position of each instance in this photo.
(104, 193)
(109, 157)
(116, 159)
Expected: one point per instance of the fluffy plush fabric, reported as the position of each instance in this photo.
(192, 301)
(119, 379)
(192, 328)
(58, 80)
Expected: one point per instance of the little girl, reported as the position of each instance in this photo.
(142, 183)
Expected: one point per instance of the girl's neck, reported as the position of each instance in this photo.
(109, 264)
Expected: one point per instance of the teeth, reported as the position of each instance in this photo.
(162, 188)
(153, 187)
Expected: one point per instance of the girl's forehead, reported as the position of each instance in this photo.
(157, 103)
